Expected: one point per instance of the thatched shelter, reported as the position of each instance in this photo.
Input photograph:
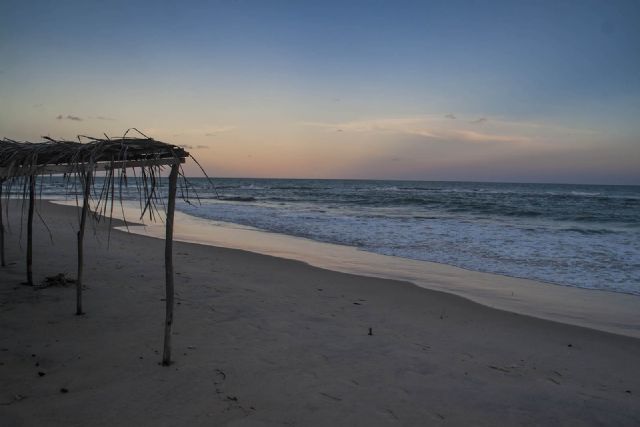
(22, 162)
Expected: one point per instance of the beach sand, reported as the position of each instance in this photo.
(260, 340)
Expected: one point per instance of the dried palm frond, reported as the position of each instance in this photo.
(79, 160)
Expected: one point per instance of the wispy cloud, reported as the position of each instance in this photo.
(395, 124)
(189, 133)
(451, 116)
(69, 117)
(445, 129)
(472, 136)
(194, 147)
(76, 118)
(220, 129)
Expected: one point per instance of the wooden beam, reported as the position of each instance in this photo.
(76, 168)
(168, 265)
(83, 221)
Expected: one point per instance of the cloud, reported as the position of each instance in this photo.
(224, 129)
(188, 134)
(472, 136)
(374, 125)
(76, 118)
(69, 117)
(214, 131)
(479, 120)
(194, 147)
(451, 116)
(438, 128)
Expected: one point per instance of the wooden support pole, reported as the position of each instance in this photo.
(32, 200)
(168, 264)
(2, 259)
(83, 221)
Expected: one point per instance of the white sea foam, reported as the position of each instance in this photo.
(583, 236)
(597, 259)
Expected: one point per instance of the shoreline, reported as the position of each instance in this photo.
(608, 311)
(261, 340)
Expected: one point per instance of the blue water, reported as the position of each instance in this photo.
(576, 235)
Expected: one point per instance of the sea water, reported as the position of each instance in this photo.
(585, 236)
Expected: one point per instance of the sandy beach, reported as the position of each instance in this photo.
(261, 340)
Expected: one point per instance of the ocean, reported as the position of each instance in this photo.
(586, 236)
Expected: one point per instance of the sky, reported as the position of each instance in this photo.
(511, 91)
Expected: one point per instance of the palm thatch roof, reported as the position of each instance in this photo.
(62, 156)
(22, 161)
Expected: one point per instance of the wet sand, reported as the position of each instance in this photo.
(606, 311)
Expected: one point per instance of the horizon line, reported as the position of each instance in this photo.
(414, 180)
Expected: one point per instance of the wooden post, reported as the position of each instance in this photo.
(2, 260)
(168, 264)
(83, 221)
(32, 199)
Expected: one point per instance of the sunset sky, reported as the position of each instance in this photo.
(454, 90)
